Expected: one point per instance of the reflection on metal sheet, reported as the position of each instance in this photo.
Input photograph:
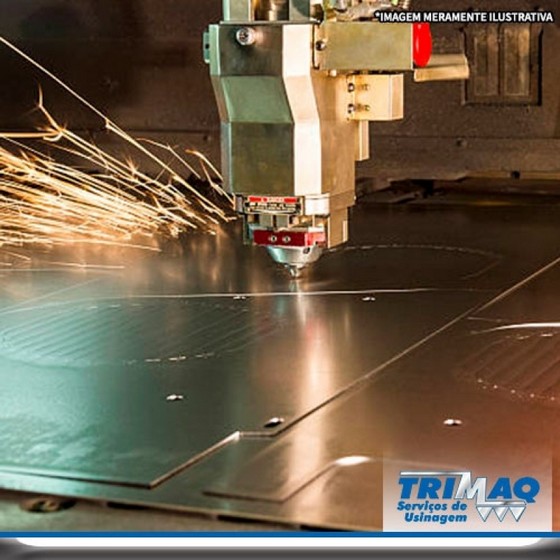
(205, 379)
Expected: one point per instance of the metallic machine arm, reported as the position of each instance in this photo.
(297, 83)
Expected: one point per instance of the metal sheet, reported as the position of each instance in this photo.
(350, 357)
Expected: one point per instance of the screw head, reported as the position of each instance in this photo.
(246, 36)
(286, 239)
(321, 45)
(351, 88)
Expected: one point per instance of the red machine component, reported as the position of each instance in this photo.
(422, 40)
(288, 238)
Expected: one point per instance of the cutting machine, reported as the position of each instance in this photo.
(297, 83)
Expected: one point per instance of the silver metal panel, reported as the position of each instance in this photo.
(365, 45)
(364, 357)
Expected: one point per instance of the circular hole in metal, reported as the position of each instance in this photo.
(453, 423)
(274, 423)
(47, 504)
(175, 398)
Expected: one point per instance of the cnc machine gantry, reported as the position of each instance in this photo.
(297, 83)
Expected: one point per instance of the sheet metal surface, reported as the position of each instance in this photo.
(150, 378)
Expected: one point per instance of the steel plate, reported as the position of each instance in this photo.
(203, 378)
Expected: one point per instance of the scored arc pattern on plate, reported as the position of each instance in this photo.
(521, 364)
(131, 332)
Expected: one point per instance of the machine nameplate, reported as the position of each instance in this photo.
(272, 205)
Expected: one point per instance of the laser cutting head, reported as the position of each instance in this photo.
(297, 83)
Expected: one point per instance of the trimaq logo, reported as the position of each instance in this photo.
(433, 488)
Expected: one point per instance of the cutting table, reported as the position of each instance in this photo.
(203, 380)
